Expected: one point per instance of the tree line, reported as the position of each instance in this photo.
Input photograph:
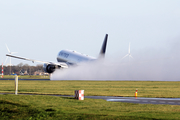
(22, 69)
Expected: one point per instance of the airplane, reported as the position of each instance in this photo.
(67, 58)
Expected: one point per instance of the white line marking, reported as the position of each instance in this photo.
(161, 98)
(170, 102)
(153, 101)
(162, 102)
(144, 101)
(125, 100)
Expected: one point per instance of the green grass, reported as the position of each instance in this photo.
(30, 107)
(49, 107)
(107, 88)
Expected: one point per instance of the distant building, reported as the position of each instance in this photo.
(39, 72)
(25, 72)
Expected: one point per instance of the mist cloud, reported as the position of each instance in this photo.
(151, 64)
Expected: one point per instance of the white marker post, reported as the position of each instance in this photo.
(16, 84)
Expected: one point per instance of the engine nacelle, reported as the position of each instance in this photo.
(49, 68)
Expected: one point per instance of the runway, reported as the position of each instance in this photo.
(138, 100)
(170, 101)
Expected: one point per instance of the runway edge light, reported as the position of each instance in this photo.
(136, 93)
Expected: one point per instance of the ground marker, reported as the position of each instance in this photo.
(79, 94)
(16, 84)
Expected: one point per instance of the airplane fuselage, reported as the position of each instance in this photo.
(73, 57)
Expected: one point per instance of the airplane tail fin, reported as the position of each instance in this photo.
(103, 48)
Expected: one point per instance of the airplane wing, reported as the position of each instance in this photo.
(62, 64)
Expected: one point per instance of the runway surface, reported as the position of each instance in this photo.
(139, 100)
(171, 101)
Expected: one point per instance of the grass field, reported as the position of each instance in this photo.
(50, 107)
(107, 88)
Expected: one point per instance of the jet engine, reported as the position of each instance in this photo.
(49, 68)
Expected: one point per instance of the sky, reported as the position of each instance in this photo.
(39, 29)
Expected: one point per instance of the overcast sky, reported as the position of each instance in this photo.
(39, 29)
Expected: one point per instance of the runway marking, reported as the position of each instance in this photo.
(122, 100)
(144, 101)
(162, 102)
(153, 101)
(161, 99)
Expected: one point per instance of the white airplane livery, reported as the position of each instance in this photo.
(67, 58)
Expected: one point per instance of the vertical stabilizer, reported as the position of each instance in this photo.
(103, 48)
